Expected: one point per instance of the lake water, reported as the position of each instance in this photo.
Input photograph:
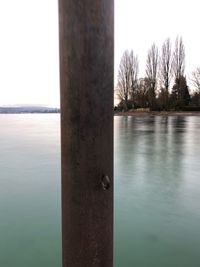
(157, 191)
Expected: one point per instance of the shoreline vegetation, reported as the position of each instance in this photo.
(156, 113)
(164, 86)
(131, 112)
(118, 113)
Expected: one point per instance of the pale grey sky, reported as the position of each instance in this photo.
(29, 68)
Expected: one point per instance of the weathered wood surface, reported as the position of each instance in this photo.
(86, 67)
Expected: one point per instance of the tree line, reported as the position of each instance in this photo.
(164, 86)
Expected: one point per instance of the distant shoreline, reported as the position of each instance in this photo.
(128, 113)
(158, 113)
(28, 110)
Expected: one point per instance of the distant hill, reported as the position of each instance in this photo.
(28, 109)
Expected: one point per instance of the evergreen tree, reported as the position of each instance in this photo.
(180, 93)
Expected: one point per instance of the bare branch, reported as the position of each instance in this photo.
(123, 86)
(196, 79)
(166, 65)
(178, 65)
(152, 72)
(152, 65)
(127, 77)
(134, 68)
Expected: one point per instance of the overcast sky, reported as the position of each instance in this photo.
(29, 71)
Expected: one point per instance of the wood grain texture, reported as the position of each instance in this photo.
(87, 70)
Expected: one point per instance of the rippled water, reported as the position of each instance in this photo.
(157, 191)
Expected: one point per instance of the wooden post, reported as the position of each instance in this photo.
(86, 75)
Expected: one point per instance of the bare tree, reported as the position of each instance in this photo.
(166, 64)
(178, 64)
(196, 79)
(127, 77)
(134, 68)
(165, 71)
(123, 85)
(152, 72)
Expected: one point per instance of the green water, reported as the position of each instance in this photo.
(157, 191)
(30, 191)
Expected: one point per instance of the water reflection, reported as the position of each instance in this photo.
(157, 191)
(154, 203)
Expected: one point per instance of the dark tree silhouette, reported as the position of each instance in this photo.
(152, 73)
(127, 77)
(141, 94)
(178, 64)
(134, 68)
(165, 72)
(180, 88)
(123, 85)
(196, 79)
(180, 96)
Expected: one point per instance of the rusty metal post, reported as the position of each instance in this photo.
(86, 68)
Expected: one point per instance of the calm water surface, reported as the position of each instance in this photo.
(157, 191)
